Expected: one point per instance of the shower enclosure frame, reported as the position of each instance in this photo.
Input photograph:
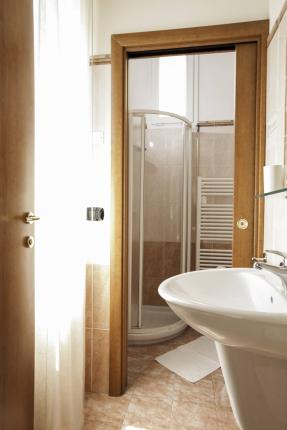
(186, 227)
(250, 103)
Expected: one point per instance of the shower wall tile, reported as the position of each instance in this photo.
(172, 259)
(150, 292)
(216, 155)
(161, 260)
(163, 184)
(100, 363)
(153, 259)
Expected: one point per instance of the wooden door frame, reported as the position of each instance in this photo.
(122, 46)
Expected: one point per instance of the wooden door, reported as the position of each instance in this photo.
(245, 154)
(16, 198)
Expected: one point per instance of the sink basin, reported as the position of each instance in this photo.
(245, 312)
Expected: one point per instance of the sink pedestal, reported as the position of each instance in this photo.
(256, 386)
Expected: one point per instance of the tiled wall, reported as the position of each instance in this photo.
(97, 328)
(275, 232)
(162, 260)
(162, 209)
(98, 269)
(216, 152)
(162, 198)
(163, 184)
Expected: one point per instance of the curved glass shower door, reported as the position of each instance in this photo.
(159, 151)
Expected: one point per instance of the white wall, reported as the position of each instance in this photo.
(275, 233)
(125, 16)
(216, 86)
(274, 10)
(203, 88)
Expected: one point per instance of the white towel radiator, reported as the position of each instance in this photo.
(214, 223)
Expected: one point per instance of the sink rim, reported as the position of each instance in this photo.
(256, 315)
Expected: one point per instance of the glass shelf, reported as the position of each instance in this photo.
(281, 190)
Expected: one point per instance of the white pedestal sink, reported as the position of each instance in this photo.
(245, 312)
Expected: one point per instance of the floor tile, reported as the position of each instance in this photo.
(101, 407)
(220, 393)
(194, 416)
(149, 413)
(155, 381)
(157, 399)
(199, 392)
(225, 418)
(102, 425)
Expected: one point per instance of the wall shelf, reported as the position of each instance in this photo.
(280, 191)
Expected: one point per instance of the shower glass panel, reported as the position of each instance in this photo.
(159, 147)
(136, 131)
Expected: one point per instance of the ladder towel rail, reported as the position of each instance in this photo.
(214, 222)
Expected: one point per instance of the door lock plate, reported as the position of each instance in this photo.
(29, 241)
(242, 224)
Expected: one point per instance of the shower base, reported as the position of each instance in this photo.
(159, 323)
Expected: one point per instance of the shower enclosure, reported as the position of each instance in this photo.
(160, 235)
(180, 211)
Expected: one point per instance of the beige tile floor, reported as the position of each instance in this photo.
(157, 399)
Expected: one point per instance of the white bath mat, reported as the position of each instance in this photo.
(192, 361)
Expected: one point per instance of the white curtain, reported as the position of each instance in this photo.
(62, 138)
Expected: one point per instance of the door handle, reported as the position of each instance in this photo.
(29, 218)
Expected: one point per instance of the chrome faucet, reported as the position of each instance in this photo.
(281, 254)
(258, 260)
(259, 263)
(280, 270)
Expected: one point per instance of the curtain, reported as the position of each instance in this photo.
(61, 142)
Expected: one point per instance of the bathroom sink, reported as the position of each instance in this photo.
(245, 312)
(244, 308)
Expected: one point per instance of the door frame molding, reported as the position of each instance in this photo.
(166, 41)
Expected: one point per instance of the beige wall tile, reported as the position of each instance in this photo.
(89, 296)
(161, 260)
(101, 296)
(100, 361)
(88, 360)
(150, 292)
(97, 323)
